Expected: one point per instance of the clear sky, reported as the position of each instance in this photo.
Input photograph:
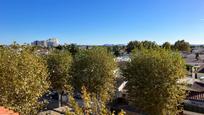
(102, 21)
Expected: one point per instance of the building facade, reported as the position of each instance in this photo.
(52, 42)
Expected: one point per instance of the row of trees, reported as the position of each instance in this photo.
(179, 45)
(152, 76)
(25, 76)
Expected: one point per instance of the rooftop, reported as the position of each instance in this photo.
(4, 111)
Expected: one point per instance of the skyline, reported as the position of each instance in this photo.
(97, 22)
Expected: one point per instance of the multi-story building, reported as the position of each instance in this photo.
(52, 42)
(39, 43)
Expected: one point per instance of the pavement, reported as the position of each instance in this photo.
(192, 113)
(56, 111)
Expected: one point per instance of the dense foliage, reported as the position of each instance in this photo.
(72, 48)
(152, 75)
(141, 44)
(23, 79)
(182, 45)
(94, 69)
(152, 81)
(59, 66)
(166, 45)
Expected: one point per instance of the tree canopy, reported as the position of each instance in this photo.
(72, 48)
(182, 45)
(94, 69)
(152, 81)
(141, 44)
(166, 45)
(59, 66)
(23, 79)
(116, 50)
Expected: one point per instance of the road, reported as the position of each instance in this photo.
(192, 113)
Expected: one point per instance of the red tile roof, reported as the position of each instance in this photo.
(4, 111)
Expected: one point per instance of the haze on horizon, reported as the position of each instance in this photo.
(101, 21)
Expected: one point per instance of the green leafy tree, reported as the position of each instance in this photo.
(59, 66)
(131, 45)
(149, 44)
(141, 44)
(116, 50)
(23, 80)
(60, 47)
(166, 45)
(94, 69)
(153, 81)
(73, 49)
(182, 45)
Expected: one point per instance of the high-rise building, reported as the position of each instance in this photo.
(39, 43)
(52, 42)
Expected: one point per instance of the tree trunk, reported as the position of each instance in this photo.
(59, 99)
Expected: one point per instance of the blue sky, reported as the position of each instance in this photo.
(101, 21)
